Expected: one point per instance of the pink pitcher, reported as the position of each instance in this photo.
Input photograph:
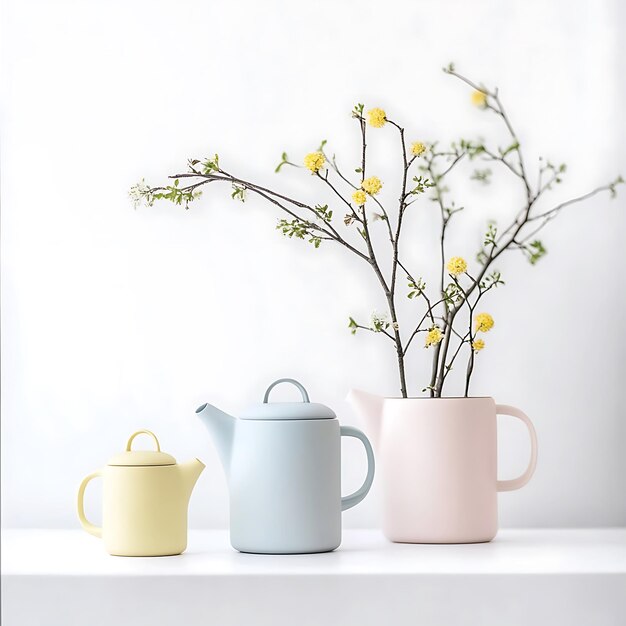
(438, 462)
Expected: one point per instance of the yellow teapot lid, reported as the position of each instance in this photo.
(132, 458)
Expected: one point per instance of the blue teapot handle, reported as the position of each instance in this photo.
(305, 395)
(347, 502)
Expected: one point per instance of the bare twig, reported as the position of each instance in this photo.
(313, 221)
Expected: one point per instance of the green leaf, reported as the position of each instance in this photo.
(470, 148)
(535, 251)
(238, 193)
(210, 165)
(513, 146)
(422, 184)
(323, 212)
(417, 288)
(482, 176)
(490, 235)
(492, 280)
(612, 186)
(353, 325)
(357, 111)
(300, 230)
(284, 161)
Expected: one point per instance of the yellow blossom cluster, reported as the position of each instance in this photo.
(359, 197)
(478, 345)
(483, 322)
(418, 148)
(479, 98)
(456, 265)
(372, 185)
(376, 117)
(433, 337)
(314, 161)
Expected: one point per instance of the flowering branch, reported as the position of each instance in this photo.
(456, 287)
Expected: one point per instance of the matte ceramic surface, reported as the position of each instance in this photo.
(145, 500)
(438, 460)
(283, 465)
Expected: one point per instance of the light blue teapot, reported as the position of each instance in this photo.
(283, 465)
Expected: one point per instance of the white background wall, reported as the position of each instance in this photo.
(115, 319)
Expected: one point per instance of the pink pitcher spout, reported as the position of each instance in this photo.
(370, 408)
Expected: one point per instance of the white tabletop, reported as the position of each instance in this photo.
(540, 577)
(564, 551)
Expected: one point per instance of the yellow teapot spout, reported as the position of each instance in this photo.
(190, 472)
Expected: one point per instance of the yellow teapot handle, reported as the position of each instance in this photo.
(143, 432)
(86, 524)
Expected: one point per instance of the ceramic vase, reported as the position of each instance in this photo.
(438, 465)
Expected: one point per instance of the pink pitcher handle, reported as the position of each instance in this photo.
(516, 483)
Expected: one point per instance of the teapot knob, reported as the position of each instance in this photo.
(142, 432)
(305, 395)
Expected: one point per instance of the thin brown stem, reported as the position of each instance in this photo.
(558, 207)
(373, 330)
(448, 369)
(274, 196)
(389, 292)
(418, 328)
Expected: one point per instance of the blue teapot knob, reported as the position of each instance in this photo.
(305, 395)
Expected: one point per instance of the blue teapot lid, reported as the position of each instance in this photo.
(305, 410)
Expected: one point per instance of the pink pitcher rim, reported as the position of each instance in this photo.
(445, 398)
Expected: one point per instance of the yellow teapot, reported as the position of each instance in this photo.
(145, 500)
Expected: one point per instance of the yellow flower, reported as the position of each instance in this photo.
(314, 161)
(359, 197)
(479, 98)
(478, 345)
(484, 322)
(372, 185)
(456, 265)
(433, 337)
(376, 117)
(418, 148)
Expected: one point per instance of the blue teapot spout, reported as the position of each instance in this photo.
(222, 429)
